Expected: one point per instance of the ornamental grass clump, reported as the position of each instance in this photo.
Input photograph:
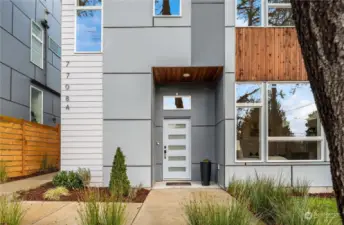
(301, 187)
(119, 183)
(263, 195)
(11, 210)
(3, 173)
(55, 193)
(100, 211)
(204, 210)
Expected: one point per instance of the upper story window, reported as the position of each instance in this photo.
(88, 34)
(264, 13)
(37, 44)
(167, 8)
(177, 102)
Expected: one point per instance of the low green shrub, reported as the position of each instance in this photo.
(85, 175)
(119, 183)
(97, 211)
(301, 188)
(55, 193)
(11, 210)
(3, 173)
(206, 211)
(70, 180)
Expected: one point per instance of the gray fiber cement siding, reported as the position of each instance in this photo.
(17, 72)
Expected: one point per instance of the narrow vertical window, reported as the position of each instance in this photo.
(88, 26)
(37, 44)
(249, 103)
(167, 8)
(36, 105)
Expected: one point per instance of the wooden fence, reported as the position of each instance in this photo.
(25, 145)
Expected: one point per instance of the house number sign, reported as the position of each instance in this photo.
(67, 87)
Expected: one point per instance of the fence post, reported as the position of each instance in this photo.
(23, 145)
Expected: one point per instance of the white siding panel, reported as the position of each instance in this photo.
(82, 104)
(83, 57)
(82, 92)
(81, 151)
(82, 128)
(68, 156)
(81, 145)
(71, 81)
(83, 133)
(82, 76)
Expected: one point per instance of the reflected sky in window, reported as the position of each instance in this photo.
(88, 31)
(172, 102)
(248, 93)
(89, 2)
(296, 102)
(167, 7)
(248, 13)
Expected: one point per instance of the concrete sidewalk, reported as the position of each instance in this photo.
(25, 184)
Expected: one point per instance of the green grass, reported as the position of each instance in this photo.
(323, 209)
(3, 173)
(204, 210)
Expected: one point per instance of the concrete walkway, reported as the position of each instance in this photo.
(25, 184)
(63, 213)
(165, 206)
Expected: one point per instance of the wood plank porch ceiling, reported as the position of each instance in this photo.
(173, 75)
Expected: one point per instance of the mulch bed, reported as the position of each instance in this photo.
(39, 173)
(318, 195)
(36, 194)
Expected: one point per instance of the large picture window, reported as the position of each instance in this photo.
(263, 13)
(36, 105)
(88, 34)
(167, 8)
(290, 128)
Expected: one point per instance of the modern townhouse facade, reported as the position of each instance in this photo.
(30, 83)
(174, 82)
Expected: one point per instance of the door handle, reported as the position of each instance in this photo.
(165, 154)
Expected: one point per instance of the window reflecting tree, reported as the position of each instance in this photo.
(280, 17)
(249, 12)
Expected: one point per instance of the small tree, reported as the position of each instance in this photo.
(119, 183)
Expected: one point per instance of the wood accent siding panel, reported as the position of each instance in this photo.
(82, 113)
(268, 54)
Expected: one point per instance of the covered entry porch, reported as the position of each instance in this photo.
(187, 123)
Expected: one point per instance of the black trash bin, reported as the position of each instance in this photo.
(205, 172)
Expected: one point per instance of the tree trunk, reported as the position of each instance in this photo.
(166, 7)
(320, 28)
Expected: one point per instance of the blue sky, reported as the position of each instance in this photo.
(89, 29)
(174, 6)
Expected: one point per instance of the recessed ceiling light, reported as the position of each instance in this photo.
(186, 75)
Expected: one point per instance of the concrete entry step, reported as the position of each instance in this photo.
(182, 184)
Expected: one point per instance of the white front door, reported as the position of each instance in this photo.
(177, 150)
